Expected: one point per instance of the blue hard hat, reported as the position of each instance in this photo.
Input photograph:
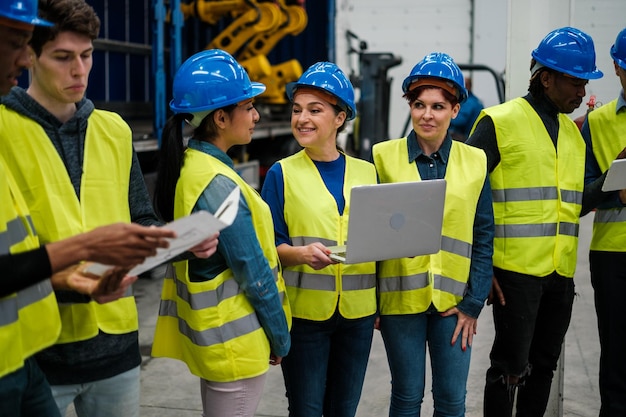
(570, 51)
(330, 78)
(24, 11)
(210, 80)
(438, 65)
(618, 50)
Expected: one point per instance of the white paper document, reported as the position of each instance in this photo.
(190, 231)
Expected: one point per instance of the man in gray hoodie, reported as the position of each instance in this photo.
(77, 170)
(29, 317)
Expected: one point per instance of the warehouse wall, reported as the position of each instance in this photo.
(474, 31)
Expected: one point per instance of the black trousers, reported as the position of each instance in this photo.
(529, 332)
(608, 277)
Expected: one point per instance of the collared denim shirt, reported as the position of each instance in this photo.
(481, 269)
(593, 173)
(239, 249)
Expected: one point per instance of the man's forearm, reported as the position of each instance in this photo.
(67, 252)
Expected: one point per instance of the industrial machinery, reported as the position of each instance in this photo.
(253, 30)
(374, 85)
(249, 30)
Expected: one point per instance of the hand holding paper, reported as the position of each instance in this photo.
(190, 231)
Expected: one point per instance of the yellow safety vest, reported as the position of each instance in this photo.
(537, 191)
(608, 139)
(411, 285)
(211, 325)
(29, 319)
(316, 294)
(57, 212)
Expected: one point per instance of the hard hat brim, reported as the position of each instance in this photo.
(291, 87)
(593, 75)
(41, 22)
(256, 89)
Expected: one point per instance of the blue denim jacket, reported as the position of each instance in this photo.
(481, 268)
(239, 250)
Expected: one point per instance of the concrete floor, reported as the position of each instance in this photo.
(169, 390)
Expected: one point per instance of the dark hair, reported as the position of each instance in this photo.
(207, 130)
(535, 87)
(68, 16)
(170, 161)
(412, 95)
(170, 157)
(338, 109)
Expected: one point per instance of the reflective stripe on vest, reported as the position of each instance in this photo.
(348, 288)
(419, 281)
(58, 213)
(210, 337)
(10, 306)
(29, 323)
(611, 216)
(29, 319)
(537, 191)
(15, 232)
(607, 136)
(325, 282)
(208, 299)
(411, 285)
(536, 194)
(536, 230)
(211, 325)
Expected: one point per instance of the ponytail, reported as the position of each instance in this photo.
(170, 162)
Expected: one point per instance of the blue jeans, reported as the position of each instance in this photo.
(115, 396)
(26, 392)
(405, 338)
(325, 368)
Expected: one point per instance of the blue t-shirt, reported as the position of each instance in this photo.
(273, 192)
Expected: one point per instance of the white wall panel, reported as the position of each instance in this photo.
(602, 19)
(504, 32)
(409, 29)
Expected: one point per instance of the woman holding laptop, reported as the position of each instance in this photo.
(435, 300)
(333, 304)
(227, 316)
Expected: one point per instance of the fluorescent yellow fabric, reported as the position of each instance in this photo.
(537, 191)
(29, 319)
(56, 211)
(211, 325)
(608, 139)
(311, 215)
(410, 285)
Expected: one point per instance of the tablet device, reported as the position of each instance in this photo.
(616, 177)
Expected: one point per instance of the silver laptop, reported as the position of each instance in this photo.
(394, 220)
(616, 178)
